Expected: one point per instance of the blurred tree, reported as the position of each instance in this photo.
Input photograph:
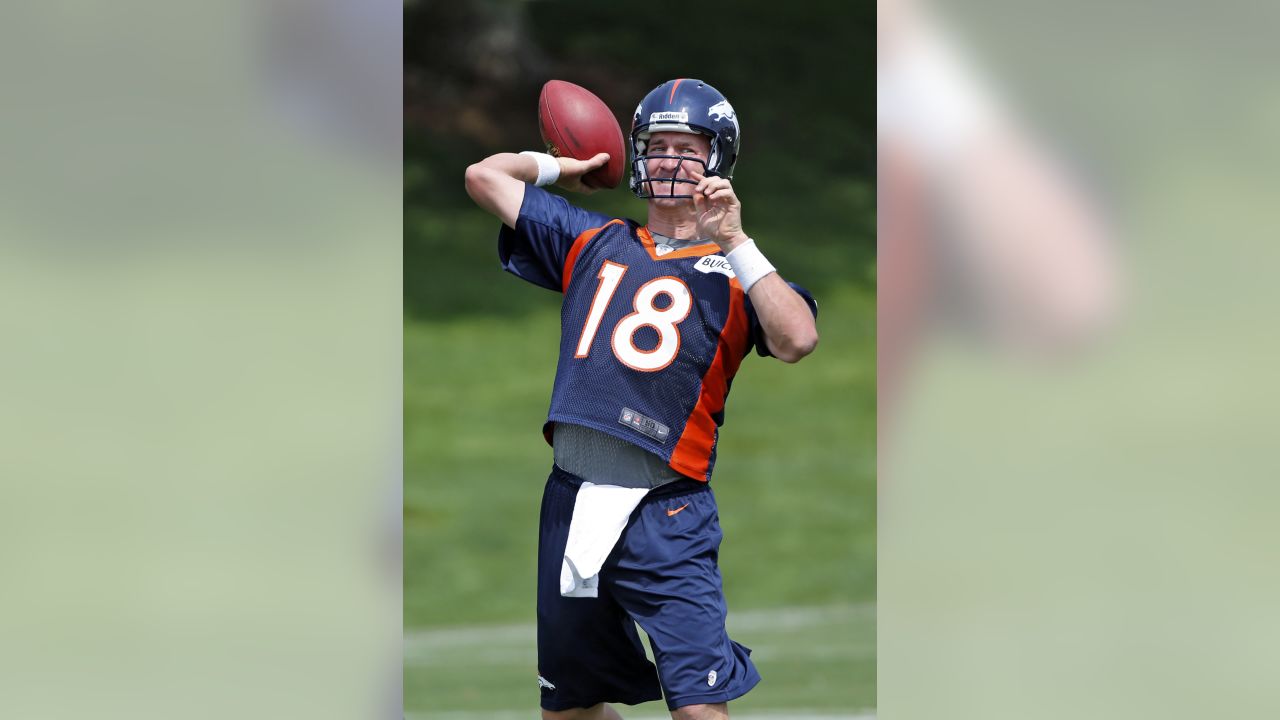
(800, 74)
(470, 65)
(466, 65)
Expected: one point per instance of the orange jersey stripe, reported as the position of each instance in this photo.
(572, 258)
(692, 454)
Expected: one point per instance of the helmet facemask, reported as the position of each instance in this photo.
(649, 188)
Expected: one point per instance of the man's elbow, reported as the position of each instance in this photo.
(793, 350)
(476, 180)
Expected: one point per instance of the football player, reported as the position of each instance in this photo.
(656, 318)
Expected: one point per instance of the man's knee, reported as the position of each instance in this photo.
(595, 712)
(719, 711)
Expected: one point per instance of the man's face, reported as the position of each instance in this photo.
(680, 146)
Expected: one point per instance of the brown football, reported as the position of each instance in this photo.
(577, 124)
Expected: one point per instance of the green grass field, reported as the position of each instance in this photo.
(795, 481)
(814, 660)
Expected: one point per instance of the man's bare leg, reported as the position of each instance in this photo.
(719, 711)
(603, 711)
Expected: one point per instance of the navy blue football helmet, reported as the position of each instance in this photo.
(690, 106)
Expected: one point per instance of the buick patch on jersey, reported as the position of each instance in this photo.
(714, 264)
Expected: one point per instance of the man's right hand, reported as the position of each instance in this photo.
(571, 172)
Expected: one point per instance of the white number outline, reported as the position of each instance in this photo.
(645, 314)
(659, 357)
(610, 276)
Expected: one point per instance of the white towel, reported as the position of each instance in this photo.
(599, 515)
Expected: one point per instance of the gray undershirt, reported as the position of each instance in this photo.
(664, 244)
(603, 459)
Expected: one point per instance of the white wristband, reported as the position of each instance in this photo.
(749, 264)
(548, 168)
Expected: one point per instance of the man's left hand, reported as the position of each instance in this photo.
(719, 212)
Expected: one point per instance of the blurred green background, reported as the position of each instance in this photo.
(796, 472)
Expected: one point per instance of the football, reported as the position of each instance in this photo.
(575, 123)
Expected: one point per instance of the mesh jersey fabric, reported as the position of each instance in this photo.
(673, 411)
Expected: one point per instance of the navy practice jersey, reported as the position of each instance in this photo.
(649, 343)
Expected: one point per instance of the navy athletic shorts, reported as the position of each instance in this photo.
(663, 575)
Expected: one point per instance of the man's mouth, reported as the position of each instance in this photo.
(669, 187)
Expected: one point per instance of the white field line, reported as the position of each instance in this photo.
(501, 644)
(430, 641)
(794, 618)
(531, 714)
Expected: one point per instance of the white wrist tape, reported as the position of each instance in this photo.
(548, 168)
(749, 264)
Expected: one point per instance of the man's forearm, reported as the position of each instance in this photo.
(513, 165)
(789, 327)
